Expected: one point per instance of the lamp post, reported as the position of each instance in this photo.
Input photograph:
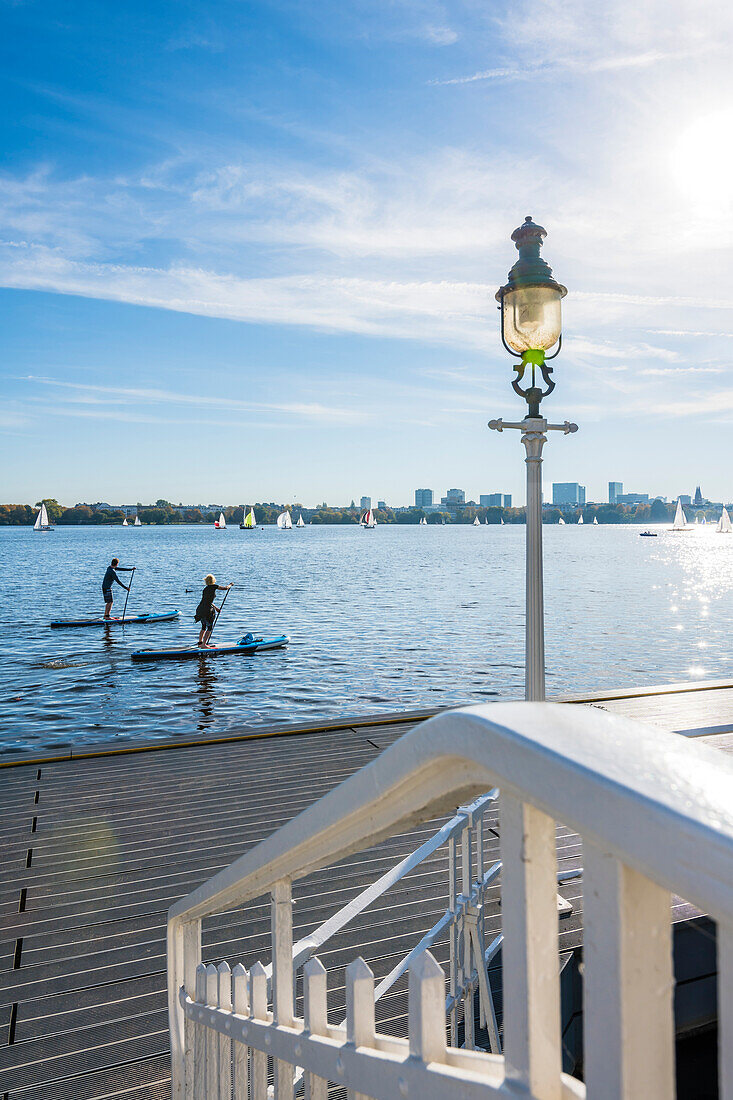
(531, 324)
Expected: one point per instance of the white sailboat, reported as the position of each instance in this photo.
(368, 520)
(486, 521)
(561, 522)
(595, 521)
(221, 523)
(125, 523)
(501, 522)
(249, 523)
(42, 523)
(137, 522)
(423, 521)
(680, 519)
(300, 522)
(477, 522)
(580, 518)
(284, 521)
(724, 525)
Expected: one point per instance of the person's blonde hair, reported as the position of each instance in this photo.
(209, 579)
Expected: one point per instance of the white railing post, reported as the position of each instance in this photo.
(427, 1009)
(530, 948)
(724, 933)
(360, 1018)
(628, 982)
(224, 1000)
(258, 1010)
(184, 955)
(282, 977)
(315, 1019)
(212, 1040)
(240, 1004)
(199, 1065)
(453, 941)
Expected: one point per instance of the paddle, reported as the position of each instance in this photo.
(216, 620)
(127, 594)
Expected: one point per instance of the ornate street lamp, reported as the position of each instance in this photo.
(531, 318)
(531, 324)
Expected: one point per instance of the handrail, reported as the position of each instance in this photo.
(538, 751)
(655, 813)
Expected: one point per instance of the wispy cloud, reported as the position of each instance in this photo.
(83, 393)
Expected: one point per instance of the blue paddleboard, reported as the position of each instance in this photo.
(242, 648)
(166, 617)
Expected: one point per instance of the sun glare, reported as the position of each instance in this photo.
(702, 162)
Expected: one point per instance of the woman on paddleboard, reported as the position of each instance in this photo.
(109, 579)
(207, 611)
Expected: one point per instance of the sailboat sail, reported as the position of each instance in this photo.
(724, 525)
(221, 523)
(125, 523)
(300, 522)
(42, 523)
(137, 522)
(250, 523)
(501, 522)
(477, 522)
(595, 521)
(284, 521)
(368, 520)
(561, 521)
(680, 519)
(580, 518)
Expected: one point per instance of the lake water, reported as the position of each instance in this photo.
(384, 620)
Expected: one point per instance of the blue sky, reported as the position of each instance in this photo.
(249, 250)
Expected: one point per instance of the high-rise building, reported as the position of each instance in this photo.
(366, 503)
(456, 496)
(699, 499)
(423, 497)
(381, 505)
(685, 498)
(490, 500)
(615, 489)
(568, 492)
(507, 500)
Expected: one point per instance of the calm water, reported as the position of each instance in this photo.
(399, 617)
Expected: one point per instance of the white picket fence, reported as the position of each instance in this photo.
(655, 813)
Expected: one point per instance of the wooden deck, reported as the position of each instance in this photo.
(96, 847)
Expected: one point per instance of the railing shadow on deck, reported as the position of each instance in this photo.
(655, 814)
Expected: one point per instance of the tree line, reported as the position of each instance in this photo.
(163, 512)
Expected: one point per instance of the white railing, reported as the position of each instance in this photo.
(655, 813)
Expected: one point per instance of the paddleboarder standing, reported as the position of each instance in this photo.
(109, 579)
(207, 611)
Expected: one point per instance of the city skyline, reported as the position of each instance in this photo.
(272, 257)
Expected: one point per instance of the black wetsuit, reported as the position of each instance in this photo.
(205, 613)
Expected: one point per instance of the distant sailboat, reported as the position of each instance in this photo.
(477, 522)
(580, 518)
(284, 521)
(595, 521)
(42, 523)
(501, 522)
(561, 521)
(423, 522)
(125, 523)
(680, 519)
(368, 520)
(703, 521)
(300, 522)
(724, 525)
(137, 522)
(221, 523)
(249, 523)
(486, 521)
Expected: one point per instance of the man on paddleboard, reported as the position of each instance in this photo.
(207, 611)
(109, 579)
